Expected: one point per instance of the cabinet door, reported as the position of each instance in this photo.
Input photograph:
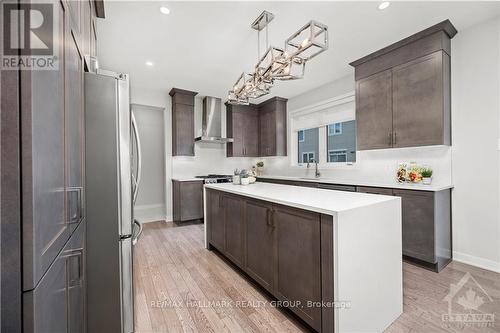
(417, 224)
(73, 85)
(233, 216)
(259, 242)
(216, 212)
(191, 200)
(238, 144)
(75, 264)
(183, 130)
(265, 133)
(374, 111)
(418, 102)
(298, 268)
(251, 134)
(45, 306)
(45, 228)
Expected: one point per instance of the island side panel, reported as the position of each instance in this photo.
(369, 272)
(327, 292)
(207, 217)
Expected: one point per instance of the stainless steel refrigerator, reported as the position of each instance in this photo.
(111, 187)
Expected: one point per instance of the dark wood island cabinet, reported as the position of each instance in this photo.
(280, 247)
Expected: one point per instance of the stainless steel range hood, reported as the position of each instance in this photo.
(212, 122)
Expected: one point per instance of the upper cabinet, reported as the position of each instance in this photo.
(272, 127)
(257, 130)
(182, 122)
(243, 126)
(403, 92)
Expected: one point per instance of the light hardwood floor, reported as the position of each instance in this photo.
(181, 287)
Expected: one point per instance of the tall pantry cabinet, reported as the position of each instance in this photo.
(44, 167)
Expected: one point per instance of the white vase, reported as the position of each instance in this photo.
(426, 180)
(236, 179)
(245, 181)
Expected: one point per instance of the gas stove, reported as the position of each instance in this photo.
(214, 179)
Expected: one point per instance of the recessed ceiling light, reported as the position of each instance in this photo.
(384, 5)
(164, 10)
(149, 63)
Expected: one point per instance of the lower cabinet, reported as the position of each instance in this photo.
(57, 304)
(278, 246)
(233, 213)
(215, 211)
(298, 267)
(259, 240)
(187, 199)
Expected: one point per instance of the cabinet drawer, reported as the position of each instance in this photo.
(347, 188)
(375, 190)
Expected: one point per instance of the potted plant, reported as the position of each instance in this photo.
(426, 176)
(236, 177)
(260, 168)
(244, 179)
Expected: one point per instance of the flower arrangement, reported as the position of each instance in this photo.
(413, 173)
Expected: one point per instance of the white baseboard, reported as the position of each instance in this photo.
(476, 261)
(149, 213)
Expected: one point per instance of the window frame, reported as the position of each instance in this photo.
(334, 129)
(303, 136)
(296, 124)
(342, 152)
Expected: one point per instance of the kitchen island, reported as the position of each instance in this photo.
(331, 257)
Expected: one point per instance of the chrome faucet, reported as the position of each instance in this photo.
(317, 174)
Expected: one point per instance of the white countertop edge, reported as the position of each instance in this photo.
(416, 187)
(234, 190)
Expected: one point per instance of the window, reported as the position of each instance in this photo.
(335, 129)
(341, 145)
(337, 156)
(301, 136)
(308, 145)
(307, 157)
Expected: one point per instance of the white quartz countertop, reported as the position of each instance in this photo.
(313, 199)
(419, 187)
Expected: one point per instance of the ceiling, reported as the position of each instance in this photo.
(204, 46)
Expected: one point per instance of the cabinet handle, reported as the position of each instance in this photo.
(268, 217)
(220, 201)
(78, 215)
(390, 139)
(395, 138)
(78, 254)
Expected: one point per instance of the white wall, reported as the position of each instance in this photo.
(475, 126)
(150, 204)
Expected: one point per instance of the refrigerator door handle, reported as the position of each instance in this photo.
(137, 180)
(136, 237)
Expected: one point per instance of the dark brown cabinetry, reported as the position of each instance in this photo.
(233, 225)
(216, 228)
(272, 125)
(243, 126)
(403, 92)
(257, 130)
(298, 268)
(421, 109)
(259, 229)
(426, 226)
(374, 111)
(47, 155)
(57, 303)
(280, 247)
(187, 199)
(182, 122)
(375, 190)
